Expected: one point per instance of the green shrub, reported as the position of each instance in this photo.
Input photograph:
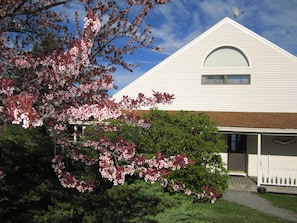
(185, 132)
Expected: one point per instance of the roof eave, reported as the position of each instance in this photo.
(255, 131)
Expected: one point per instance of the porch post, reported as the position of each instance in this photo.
(75, 134)
(259, 172)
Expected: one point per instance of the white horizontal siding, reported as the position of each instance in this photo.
(271, 162)
(273, 72)
(252, 165)
(224, 159)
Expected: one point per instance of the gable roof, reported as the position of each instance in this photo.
(232, 22)
(207, 33)
(273, 79)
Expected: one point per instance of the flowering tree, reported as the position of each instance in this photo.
(70, 85)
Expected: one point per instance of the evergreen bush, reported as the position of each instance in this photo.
(190, 133)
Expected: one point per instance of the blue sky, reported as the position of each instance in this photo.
(177, 23)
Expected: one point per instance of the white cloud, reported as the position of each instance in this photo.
(274, 20)
(180, 21)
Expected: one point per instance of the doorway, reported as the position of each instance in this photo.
(237, 153)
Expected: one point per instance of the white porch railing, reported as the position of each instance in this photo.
(279, 177)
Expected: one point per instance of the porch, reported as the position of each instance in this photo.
(246, 183)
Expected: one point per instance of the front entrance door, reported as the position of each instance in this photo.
(237, 153)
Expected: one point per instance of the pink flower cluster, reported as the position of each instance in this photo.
(110, 171)
(152, 169)
(20, 108)
(99, 112)
(210, 194)
(55, 78)
(2, 173)
(69, 181)
(129, 103)
(159, 166)
(131, 119)
(6, 87)
(92, 23)
(207, 192)
(118, 160)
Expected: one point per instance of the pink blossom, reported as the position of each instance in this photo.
(6, 87)
(99, 112)
(2, 173)
(92, 23)
(188, 192)
(69, 181)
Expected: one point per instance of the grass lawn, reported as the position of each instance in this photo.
(149, 204)
(285, 201)
(220, 212)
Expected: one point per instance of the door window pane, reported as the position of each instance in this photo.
(237, 143)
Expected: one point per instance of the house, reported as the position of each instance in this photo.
(247, 85)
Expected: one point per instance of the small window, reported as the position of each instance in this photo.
(226, 79)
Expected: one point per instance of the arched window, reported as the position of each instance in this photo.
(226, 56)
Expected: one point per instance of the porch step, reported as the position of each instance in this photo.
(242, 183)
(243, 188)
